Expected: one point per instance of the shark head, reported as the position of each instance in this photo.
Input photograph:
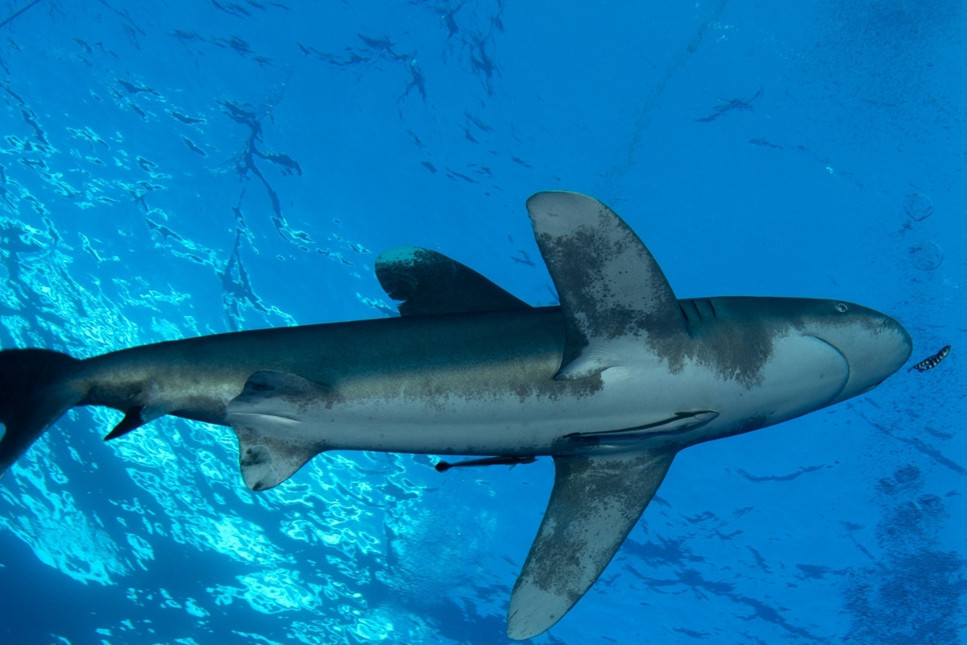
(873, 345)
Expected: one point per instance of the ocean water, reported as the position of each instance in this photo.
(170, 169)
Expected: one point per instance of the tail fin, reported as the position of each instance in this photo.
(34, 393)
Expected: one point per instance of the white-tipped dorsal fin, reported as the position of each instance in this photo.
(430, 283)
(270, 446)
(614, 295)
(595, 503)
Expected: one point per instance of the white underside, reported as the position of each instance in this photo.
(803, 374)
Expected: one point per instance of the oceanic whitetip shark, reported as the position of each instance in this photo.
(611, 384)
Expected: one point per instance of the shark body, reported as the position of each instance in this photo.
(611, 384)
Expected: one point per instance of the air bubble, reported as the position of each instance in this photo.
(927, 256)
(918, 207)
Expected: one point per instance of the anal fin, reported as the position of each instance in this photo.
(595, 502)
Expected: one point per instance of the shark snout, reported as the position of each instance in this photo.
(895, 342)
(873, 344)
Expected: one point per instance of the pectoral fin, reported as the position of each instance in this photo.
(595, 503)
(615, 298)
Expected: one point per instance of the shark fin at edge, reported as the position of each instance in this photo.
(35, 390)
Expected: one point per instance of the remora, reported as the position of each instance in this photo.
(611, 384)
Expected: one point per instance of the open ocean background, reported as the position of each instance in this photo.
(175, 168)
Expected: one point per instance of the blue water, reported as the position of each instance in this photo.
(170, 169)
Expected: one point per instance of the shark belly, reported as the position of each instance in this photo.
(508, 403)
(504, 402)
(425, 413)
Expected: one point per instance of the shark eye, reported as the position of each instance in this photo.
(842, 307)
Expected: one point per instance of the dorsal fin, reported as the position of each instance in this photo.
(430, 283)
(614, 295)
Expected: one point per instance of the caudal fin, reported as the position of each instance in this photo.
(34, 392)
